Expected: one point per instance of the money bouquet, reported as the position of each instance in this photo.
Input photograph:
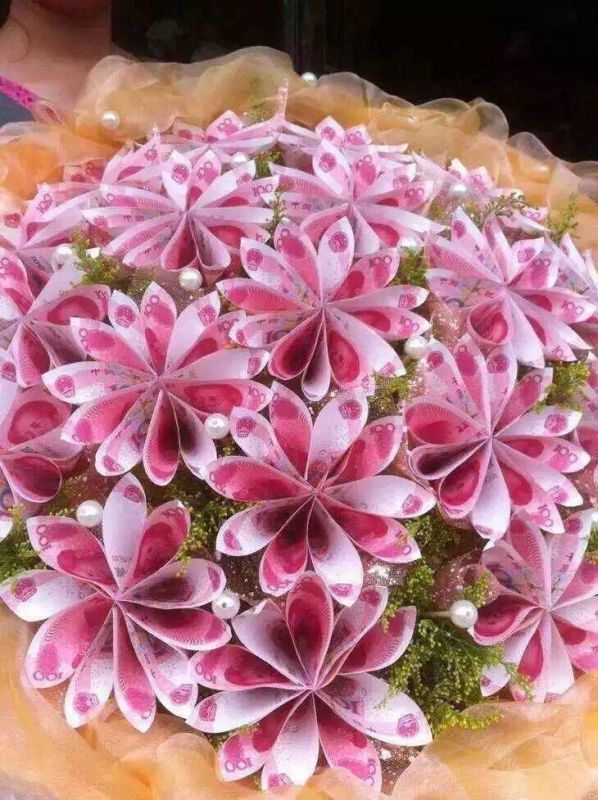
(299, 425)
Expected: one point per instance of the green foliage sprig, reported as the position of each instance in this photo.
(412, 269)
(564, 221)
(263, 161)
(278, 212)
(568, 378)
(416, 590)
(16, 553)
(591, 554)
(390, 391)
(104, 270)
(479, 591)
(97, 269)
(502, 206)
(437, 539)
(258, 111)
(441, 671)
(439, 212)
(442, 667)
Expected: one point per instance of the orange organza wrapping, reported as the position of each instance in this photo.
(545, 752)
(534, 753)
(152, 95)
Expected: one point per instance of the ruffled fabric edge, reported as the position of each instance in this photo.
(536, 752)
(153, 95)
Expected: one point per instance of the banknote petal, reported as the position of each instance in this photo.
(235, 668)
(132, 689)
(38, 594)
(348, 748)
(61, 643)
(92, 682)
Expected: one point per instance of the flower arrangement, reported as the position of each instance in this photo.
(354, 387)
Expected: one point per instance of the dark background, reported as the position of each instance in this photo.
(537, 61)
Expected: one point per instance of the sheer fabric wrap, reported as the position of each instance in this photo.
(533, 752)
(153, 95)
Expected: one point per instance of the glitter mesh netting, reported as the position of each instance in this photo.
(548, 751)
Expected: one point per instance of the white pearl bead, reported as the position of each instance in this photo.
(227, 605)
(62, 254)
(190, 279)
(310, 77)
(385, 754)
(416, 347)
(595, 518)
(110, 120)
(89, 513)
(409, 243)
(463, 614)
(284, 220)
(93, 252)
(458, 190)
(216, 426)
(239, 158)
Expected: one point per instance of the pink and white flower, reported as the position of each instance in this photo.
(458, 184)
(578, 274)
(154, 376)
(324, 317)
(196, 220)
(62, 208)
(120, 612)
(476, 437)
(226, 136)
(318, 491)
(546, 611)
(33, 456)
(29, 238)
(36, 329)
(299, 143)
(302, 679)
(509, 292)
(382, 203)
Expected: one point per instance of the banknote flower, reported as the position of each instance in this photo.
(509, 292)
(195, 218)
(37, 329)
(384, 203)
(299, 143)
(59, 210)
(119, 613)
(226, 136)
(578, 274)
(28, 238)
(476, 436)
(33, 455)
(154, 376)
(301, 679)
(546, 609)
(324, 318)
(475, 188)
(62, 208)
(318, 492)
